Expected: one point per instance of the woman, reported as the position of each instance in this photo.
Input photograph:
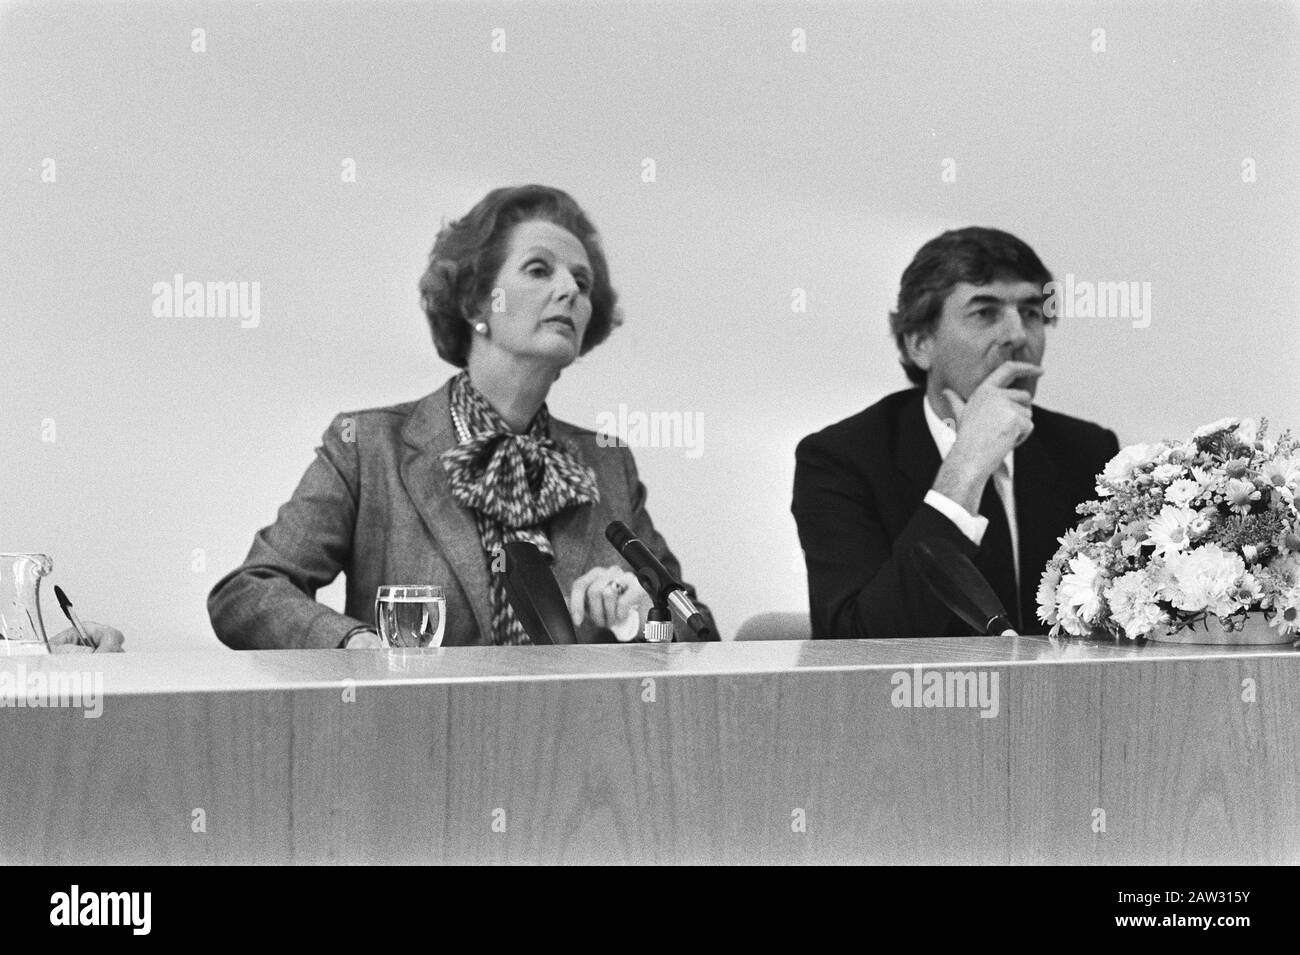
(428, 491)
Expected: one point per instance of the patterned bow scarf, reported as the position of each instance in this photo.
(514, 484)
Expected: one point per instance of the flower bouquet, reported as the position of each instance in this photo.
(1202, 532)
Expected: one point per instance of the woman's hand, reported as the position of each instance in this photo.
(607, 596)
(106, 639)
(364, 640)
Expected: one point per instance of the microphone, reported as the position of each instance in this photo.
(535, 596)
(655, 579)
(956, 581)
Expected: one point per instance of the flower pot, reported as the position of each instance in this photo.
(1255, 633)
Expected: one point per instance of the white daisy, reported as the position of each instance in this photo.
(1181, 492)
(1240, 494)
(1286, 612)
(1119, 468)
(1288, 542)
(1164, 473)
(1283, 476)
(1168, 532)
(1214, 427)
(1079, 594)
(1047, 585)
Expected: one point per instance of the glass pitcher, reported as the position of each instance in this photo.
(21, 629)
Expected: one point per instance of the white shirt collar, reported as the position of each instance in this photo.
(944, 436)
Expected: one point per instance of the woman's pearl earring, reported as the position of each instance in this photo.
(480, 327)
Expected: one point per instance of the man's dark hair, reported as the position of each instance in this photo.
(974, 255)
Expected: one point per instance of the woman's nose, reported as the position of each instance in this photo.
(566, 286)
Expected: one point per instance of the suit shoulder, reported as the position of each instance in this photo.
(384, 424)
(1070, 428)
(602, 451)
(1088, 443)
(597, 447)
(567, 429)
(869, 426)
(386, 413)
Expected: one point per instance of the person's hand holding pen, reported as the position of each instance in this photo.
(84, 636)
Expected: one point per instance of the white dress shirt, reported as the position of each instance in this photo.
(973, 525)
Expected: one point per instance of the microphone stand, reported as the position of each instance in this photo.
(659, 623)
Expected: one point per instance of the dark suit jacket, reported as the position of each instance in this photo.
(859, 490)
(376, 505)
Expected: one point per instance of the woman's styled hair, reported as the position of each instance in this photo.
(468, 253)
(974, 255)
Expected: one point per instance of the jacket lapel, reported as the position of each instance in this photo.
(916, 454)
(426, 435)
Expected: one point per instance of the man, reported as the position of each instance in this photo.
(964, 457)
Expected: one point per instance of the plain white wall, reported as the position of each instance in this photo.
(175, 439)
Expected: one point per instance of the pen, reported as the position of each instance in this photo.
(83, 638)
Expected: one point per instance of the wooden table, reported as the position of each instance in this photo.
(732, 752)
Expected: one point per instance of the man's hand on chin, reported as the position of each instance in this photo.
(993, 423)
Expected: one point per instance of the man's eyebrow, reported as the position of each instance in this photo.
(1037, 298)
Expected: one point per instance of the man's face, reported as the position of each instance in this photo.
(979, 328)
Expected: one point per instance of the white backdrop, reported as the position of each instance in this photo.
(794, 147)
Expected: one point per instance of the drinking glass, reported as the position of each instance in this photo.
(22, 630)
(411, 615)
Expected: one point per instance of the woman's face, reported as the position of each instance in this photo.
(540, 305)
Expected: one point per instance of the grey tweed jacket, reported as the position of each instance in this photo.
(376, 505)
